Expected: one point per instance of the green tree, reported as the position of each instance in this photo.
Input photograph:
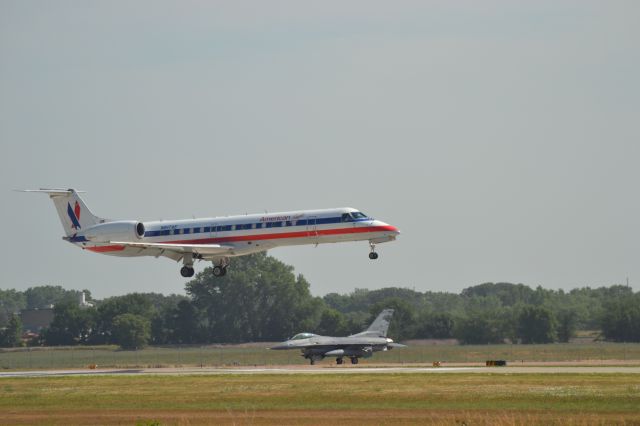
(133, 303)
(508, 294)
(163, 321)
(131, 331)
(438, 325)
(481, 328)
(621, 319)
(567, 324)
(70, 326)
(332, 323)
(260, 299)
(47, 295)
(11, 302)
(11, 336)
(187, 323)
(403, 323)
(536, 324)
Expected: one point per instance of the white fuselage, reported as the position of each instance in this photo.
(255, 232)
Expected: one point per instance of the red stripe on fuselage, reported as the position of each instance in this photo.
(261, 237)
(105, 249)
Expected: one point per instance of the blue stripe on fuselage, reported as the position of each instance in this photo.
(227, 228)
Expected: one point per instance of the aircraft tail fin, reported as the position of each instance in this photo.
(72, 210)
(379, 326)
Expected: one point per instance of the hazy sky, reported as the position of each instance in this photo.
(502, 138)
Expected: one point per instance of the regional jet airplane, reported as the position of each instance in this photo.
(373, 339)
(213, 239)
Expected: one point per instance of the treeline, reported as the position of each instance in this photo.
(261, 299)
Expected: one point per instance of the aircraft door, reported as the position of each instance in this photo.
(212, 234)
(312, 228)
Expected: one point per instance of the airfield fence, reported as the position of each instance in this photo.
(258, 355)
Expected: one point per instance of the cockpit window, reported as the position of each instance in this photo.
(358, 215)
(300, 336)
(346, 217)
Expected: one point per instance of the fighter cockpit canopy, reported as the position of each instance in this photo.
(300, 336)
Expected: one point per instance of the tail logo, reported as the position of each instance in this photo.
(74, 215)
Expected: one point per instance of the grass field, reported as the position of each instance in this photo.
(257, 354)
(496, 398)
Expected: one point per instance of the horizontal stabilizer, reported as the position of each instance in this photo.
(52, 191)
(74, 214)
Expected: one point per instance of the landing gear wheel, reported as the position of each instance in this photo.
(313, 361)
(339, 361)
(372, 255)
(354, 360)
(219, 271)
(187, 271)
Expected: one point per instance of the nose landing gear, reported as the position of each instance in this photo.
(373, 255)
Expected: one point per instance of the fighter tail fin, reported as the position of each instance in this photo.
(73, 212)
(380, 325)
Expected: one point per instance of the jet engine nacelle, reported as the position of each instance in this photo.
(122, 230)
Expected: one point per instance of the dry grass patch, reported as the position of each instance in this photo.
(320, 399)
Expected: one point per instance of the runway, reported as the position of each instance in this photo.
(326, 370)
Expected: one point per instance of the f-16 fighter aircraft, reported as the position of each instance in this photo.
(373, 339)
(214, 239)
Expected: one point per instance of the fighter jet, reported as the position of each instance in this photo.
(361, 345)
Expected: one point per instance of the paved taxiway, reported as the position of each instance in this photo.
(327, 370)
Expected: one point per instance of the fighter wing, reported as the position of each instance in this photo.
(202, 249)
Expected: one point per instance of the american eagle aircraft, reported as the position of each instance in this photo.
(213, 239)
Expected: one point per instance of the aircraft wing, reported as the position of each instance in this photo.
(202, 249)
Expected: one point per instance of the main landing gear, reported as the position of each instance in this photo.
(339, 361)
(220, 269)
(187, 271)
(314, 358)
(354, 360)
(373, 255)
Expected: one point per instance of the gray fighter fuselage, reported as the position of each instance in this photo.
(326, 345)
